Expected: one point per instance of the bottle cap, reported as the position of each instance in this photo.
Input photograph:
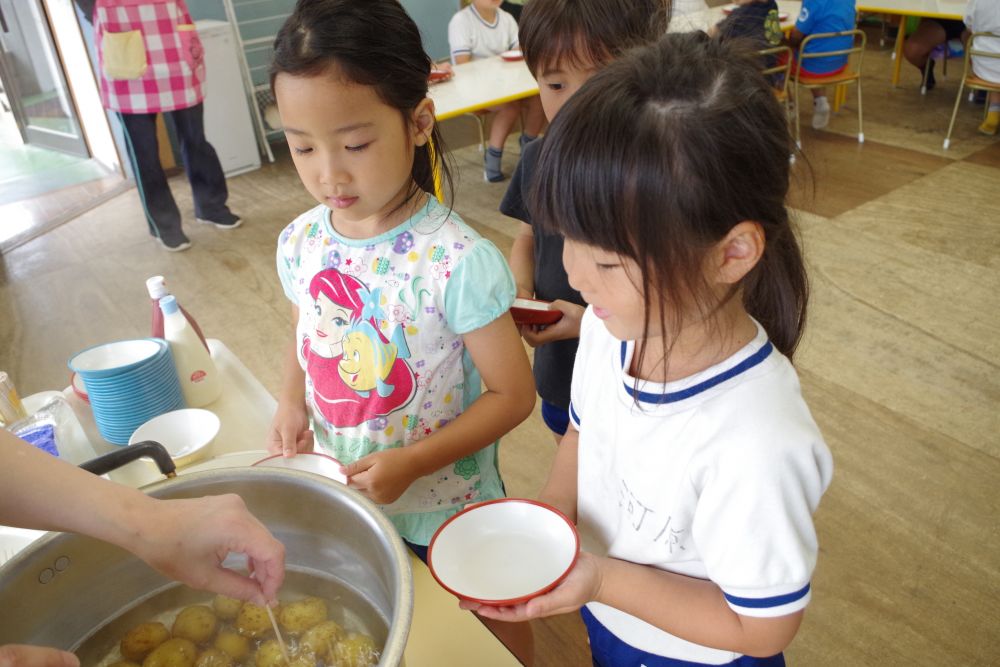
(156, 287)
(168, 305)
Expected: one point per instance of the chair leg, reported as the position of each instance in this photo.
(861, 115)
(954, 113)
(923, 79)
(798, 114)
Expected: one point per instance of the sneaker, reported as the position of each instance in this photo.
(174, 242)
(991, 124)
(229, 221)
(821, 113)
(525, 139)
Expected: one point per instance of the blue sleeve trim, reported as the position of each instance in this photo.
(572, 412)
(763, 603)
(461, 51)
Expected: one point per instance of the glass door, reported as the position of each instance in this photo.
(33, 80)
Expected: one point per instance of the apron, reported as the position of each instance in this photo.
(149, 56)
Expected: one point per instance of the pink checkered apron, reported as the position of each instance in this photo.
(175, 58)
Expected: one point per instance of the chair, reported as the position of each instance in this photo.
(970, 80)
(782, 57)
(851, 74)
(943, 50)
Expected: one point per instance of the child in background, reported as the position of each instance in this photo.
(692, 465)
(483, 30)
(818, 16)
(564, 42)
(399, 309)
(984, 16)
(757, 20)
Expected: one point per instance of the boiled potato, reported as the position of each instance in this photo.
(355, 650)
(252, 621)
(299, 616)
(236, 645)
(269, 655)
(214, 657)
(124, 663)
(140, 640)
(174, 652)
(320, 639)
(197, 623)
(226, 608)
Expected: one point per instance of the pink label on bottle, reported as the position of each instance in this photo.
(198, 376)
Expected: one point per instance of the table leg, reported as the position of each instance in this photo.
(900, 38)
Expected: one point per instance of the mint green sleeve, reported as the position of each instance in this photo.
(481, 289)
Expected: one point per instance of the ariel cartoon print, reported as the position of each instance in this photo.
(357, 373)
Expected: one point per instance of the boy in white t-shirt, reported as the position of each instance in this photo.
(483, 30)
(984, 16)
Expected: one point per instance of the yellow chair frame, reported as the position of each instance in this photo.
(970, 80)
(784, 66)
(852, 74)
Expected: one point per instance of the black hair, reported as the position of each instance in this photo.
(584, 32)
(373, 43)
(658, 156)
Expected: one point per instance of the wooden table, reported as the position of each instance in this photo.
(705, 19)
(934, 9)
(481, 84)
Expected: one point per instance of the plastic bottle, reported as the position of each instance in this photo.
(157, 289)
(195, 368)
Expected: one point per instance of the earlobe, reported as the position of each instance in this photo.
(423, 121)
(740, 251)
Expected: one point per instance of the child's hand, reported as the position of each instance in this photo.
(580, 587)
(566, 328)
(289, 433)
(382, 476)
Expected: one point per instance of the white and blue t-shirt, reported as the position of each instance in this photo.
(826, 16)
(470, 34)
(715, 476)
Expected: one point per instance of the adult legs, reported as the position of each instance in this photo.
(162, 215)
(201, 163)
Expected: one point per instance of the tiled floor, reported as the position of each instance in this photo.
(899, 362)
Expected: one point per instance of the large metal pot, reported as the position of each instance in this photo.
(64, 588)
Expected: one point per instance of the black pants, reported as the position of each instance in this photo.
(204, 172)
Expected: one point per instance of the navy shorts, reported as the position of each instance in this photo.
(607, 650)
(556, 418)
(418, 549)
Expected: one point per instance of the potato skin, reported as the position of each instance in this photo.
(233, 643)
(322, 638)
(355, 650)
(197, 623)
(297, 617)
(143, 638)
(252, 621)
(174, 652)
(214, 657)
(226, 608)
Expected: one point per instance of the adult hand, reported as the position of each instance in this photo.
(289, 433)
(382, 476)
(566, 328)
(582, 585)
(188, 539)
(21, 655)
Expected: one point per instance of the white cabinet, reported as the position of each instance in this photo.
(229, 126)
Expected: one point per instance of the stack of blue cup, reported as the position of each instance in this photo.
(128, 382)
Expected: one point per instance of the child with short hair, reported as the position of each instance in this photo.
(984, 16)
(482, 30)
(564, 43)
(756, 20)
(818, 16)
(692, 465)
(399, 309)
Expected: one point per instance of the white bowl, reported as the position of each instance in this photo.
(503, 552)
(314, 462)
(185, 433)
(113, 358)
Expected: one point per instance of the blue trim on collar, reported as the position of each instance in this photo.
(763, 603)
(483, 21)
(672, 397)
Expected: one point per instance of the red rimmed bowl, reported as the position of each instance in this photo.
(513, 55)
(503, 552)
(533, 311)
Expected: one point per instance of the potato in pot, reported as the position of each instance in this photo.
(320, 639)
(226, 608)
(252, 621)
(143, 638)
(299, 616)
(214, 657)
(235, 644)
(269, 655)
(197, 623)
(175, 652)
(355, 650)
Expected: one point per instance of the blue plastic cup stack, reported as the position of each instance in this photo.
(128, 382)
